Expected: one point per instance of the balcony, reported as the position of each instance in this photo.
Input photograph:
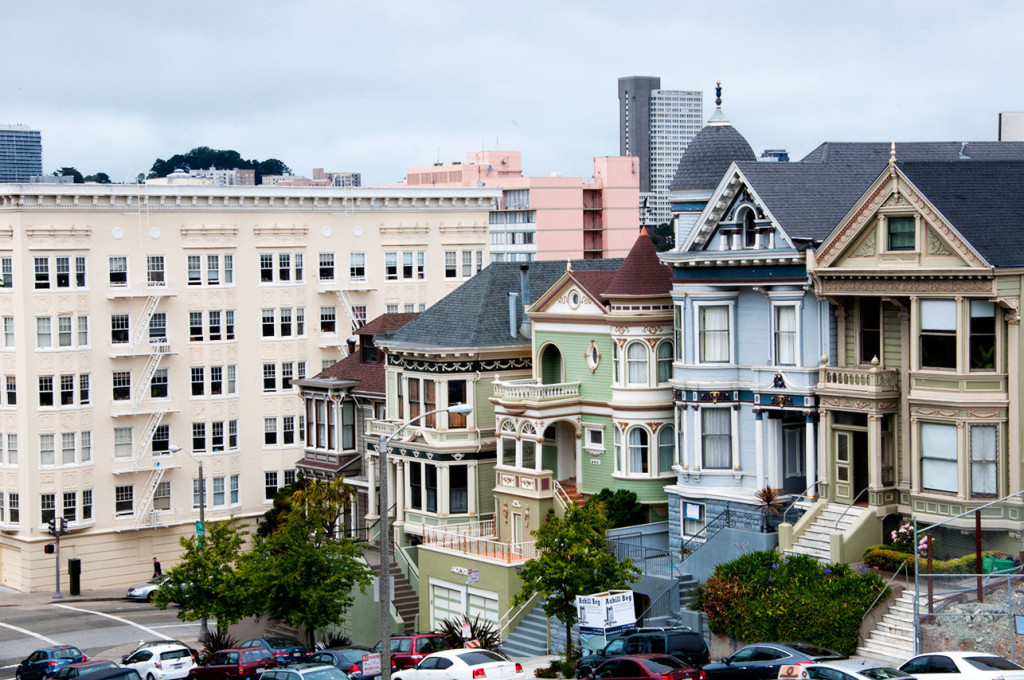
(150, 520)
(477, 540)
(126, 407)
(533, 391)
(348, 284)
(872, 382)
(166, 461)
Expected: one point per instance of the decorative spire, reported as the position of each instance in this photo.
(892, 154)
(568, 265)
(718, 94)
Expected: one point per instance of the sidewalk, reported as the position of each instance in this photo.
(14, 598)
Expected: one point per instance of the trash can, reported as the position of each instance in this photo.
(75, 575)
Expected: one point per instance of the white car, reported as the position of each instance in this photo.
(962, 666)
(161, 662)
(144, 591)
(462, 664)
(845, 669)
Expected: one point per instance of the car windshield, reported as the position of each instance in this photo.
(811, 650)
(283, 642)
(662, 664)
(175, 654)
(92, 668)
(478, 657)
(686, 643)
(992, 663)
(882, 673)
(67, 653)
(351, 655)
(324, 673)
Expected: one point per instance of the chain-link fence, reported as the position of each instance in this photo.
(968, 585)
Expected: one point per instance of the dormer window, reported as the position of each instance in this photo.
(900, 233)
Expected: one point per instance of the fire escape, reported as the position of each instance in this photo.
(343, 286)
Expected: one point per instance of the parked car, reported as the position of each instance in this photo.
(349, 660)
(44, 663)
(462, 664)
(682, 643)
(846, 669)
(144, 591)
(646, 667)
(157, 643)
(161, 662)
(229, 664)
(74, 670)
(115, 674)
(763, 660)
(305, 671)
(409, 650)
(962, 666)
(285, 649)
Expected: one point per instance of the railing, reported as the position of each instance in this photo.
(150, 519)
(561, 495)
(711, 527)
(146, 462)
(531, 389)
(512, 614)
(482, 528)
(872, 379)
(489, 548)
(385, 427)
(651, 561)
(878, 597)
(662, 606)
(407, 565)
(803, 495)
(847, 508)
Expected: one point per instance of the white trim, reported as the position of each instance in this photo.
(728, 300)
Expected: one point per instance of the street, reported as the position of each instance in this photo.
(101, 629)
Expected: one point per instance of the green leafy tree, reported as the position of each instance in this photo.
(572, 560)
(664, 236)
(621, 507)
(301, 573)
(70, 172)
(99, 178)
(208, 582)
(202, 157)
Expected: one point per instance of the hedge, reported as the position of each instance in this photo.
(884, 557)
(764, 596)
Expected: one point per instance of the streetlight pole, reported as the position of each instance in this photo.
(384, 584)
(204, 628)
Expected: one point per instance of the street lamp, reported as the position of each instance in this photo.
(204, 628)
(384, 584)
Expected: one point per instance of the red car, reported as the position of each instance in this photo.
(409, 650)
(231, 664)
(646, 667)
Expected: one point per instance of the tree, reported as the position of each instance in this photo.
(621, 507)
(208, 581)
(664, 236)
(202, 157)
(301, 573)
(70, 172)
(99, 178)
(572, 560)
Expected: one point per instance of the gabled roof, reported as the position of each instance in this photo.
(386, 323)
(475, 315)
(641, 273)
(368, 376)
(981, 200)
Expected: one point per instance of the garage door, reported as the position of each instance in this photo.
(446, 602)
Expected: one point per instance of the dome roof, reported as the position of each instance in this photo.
(708, 156)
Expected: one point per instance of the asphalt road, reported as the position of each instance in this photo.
(101, 629)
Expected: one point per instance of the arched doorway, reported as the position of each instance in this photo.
(550, 365)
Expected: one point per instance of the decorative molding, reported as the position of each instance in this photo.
(868, 247)
(937, 245)
(951, 286)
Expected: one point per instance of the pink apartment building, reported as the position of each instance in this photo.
(549, 218)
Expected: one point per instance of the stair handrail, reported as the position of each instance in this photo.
(410, 565)
(860, 635)
(512, 614)
(847, 508)
(703, 534)
(802, 495)
(562, 496)
(666, 593)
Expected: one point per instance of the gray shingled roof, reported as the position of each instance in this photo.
(981, 201)
(476, 313)
(871, 152)
(708, 156)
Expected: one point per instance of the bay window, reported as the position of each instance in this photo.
(938, 333)
(713, 333)
(636, 364)
(939, 457)
(984, 466)
(983, 335)
(785, 335)
(716, 438)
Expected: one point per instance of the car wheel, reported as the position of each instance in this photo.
(17, 674)
(150, 677)
(583, 671)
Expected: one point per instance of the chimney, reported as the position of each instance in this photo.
(512, 314)
(524, 286)
(351, 346)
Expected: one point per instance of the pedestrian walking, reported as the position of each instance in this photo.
(157, 571)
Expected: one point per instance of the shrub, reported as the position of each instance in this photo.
(216, 642)
(884, 557)
(621, 507)
(481, 631)
(552, 671)
(764, 596)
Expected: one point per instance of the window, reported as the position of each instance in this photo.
(870, 325)
(666, 449)
(79, 271)
(287, 371)
(158, 328)
(458, 489)
(12, 449)
(122, 382)
(348, 425)
(286, 322)
(328, 320)
(430, 486)
(451, 269)
(456, 395)
(391, 266)
(326, 266)
(288, 430)
(270, 431)
(47, 507)
(84, 396)
(714, 333)
(639, 454)
(44, 333)
(421, 264)
(42, 272)
(83, 331)
(162, 440)
(122, 442)
(939, 457)
(615, 363)
(299, 271)
(64, 331)
(900, 231)
(359, 315)
(467, 263)
(198, 436)
(636, 364)
(266, 267)
(67, 390)
(270, 485)
(234, 479)
(162, 496)
(87, 504)
(46, 390)
(232, 434)
(480, 260)
(197, 495)
(124, 500)
(85, 447)
(9, 332)
(217, 436)
(716, 438)
(938, 334)
(693, 519)
(785, 335)
(195, 270)
(284, 267)
(11, 389)
(269, 377)
(232, 379)
(389, 309)
(198, 374)
(268, 322)
(416, 486)
(407, 271)
(300, 321)
(665, 353)
(983, 335)
(63, 272)
(984, 466)
(155, 270)
(195, 326)
(119, 329)
(118, 271)
(47, 455)
(70, 509)
(218, 491)
(216, 381)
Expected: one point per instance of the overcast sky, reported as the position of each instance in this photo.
(377, 86)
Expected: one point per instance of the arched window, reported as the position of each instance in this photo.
(665, 361)
(639, 451)
(666, 449)
(636, 364)
(749, 229)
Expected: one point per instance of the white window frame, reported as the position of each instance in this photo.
(934, 435)
(797, 309)
(698, 307)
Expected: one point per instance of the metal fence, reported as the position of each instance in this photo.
(651, 561)
(968, 582)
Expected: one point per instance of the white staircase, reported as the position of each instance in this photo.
(815, 540)
(892, 639)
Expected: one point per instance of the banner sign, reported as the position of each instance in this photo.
(606, 614)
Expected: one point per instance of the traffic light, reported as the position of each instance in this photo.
(62, 526)
(48, 548)
(52, 527)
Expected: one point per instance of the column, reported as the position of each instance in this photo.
(371, 487)
(759, 447)
(915, 459)
(810, 455)
(519, 452)
(773, 436)
(874, 451)
(962, 478)
(902, 455)
(735, 437)
(399, 492)
(471, 488)
(1013, 446)
(698, 449)
(444, 495)
(915, 333)
(501, 451)
(538, 456)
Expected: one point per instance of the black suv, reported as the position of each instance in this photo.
(682, 643)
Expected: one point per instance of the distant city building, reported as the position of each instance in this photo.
(774, 156)
(320, 179)
(548, 218)
(208, 177)
(656, 125)
(52, 179)
(1010, 127)
(21, 153)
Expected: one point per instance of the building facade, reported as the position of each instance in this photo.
(21, 153)
(147, 328)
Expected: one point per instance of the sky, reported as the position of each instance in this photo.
(378, 86)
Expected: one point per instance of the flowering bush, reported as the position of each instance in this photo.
(902, 539)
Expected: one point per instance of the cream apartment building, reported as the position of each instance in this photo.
(144, 328)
